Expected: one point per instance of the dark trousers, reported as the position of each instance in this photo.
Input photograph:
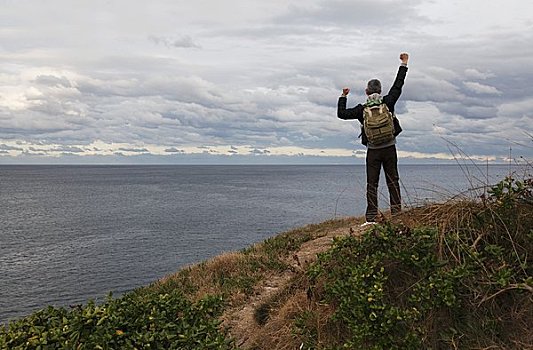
(375, 158)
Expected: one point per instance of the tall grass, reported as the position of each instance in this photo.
(455, 275)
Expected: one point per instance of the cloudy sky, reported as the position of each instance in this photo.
(258, 81)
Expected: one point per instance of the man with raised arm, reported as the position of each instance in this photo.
(379, 128)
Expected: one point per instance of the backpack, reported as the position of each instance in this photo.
(378, 122)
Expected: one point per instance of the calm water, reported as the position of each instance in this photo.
(70, 233)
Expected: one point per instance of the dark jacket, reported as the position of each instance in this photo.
(389, 99)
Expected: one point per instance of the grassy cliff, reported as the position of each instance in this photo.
(456, 275)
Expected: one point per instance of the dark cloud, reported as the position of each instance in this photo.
(258, 152)
(426, 88)
(174, 150)
(54, 81)
(33, 153)
(68, 149)
(34, 149)
(184, 41)
(134, 150)
(468, 112)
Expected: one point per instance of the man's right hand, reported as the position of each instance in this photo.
(345, 91)
(404, 57)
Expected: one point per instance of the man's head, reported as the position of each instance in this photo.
(373, 86)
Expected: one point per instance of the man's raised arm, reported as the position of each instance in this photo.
(350, 113)
(396, 89)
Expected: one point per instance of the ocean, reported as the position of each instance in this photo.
(73, 233)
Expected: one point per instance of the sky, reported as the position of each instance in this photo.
(245, 81)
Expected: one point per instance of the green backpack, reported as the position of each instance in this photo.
(378, 122)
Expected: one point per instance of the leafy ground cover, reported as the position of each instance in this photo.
(137, 320)
(451, 276)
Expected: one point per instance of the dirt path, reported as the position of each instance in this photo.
(240, 320)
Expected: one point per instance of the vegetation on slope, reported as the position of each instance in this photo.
(234, 276)
(179, 312)
(135, 321)
(456, 275)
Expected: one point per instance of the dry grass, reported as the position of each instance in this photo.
(448, 216)
(267, 291)
(474, 224)
(285, 308)
(238, 275)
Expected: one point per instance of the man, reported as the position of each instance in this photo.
(381, 154)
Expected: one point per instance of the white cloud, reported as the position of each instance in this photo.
(473, 73)
(376, 14)
(518, 109)
(481, 89)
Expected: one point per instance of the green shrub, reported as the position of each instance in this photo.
(383, 284)
(138, 320)
(419, 288)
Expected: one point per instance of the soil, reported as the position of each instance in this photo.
(240, 321)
